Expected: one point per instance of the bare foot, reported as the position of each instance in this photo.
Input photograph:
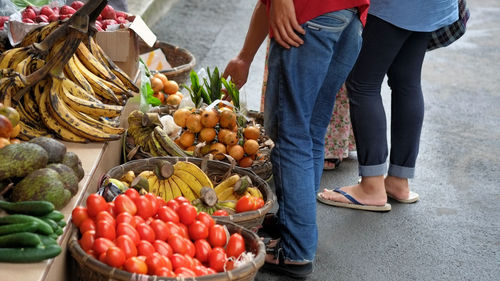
(370, 191)
(397, 188)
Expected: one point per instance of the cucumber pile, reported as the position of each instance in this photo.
(29, 232)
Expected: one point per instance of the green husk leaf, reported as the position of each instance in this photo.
(232, 91)
(24, 3)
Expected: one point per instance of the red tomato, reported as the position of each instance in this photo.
(206, 219)
(198, 230)
(156, 261)
(146, 232)
(190, 248)
(144, 207)
(178, 260)
(245, 204)
(166, 213)
(187, 213)
(211, 271)
(217, 236)
(127, 229)
(184, 272)
(123, 203)
(105, 216)
(95, 204)
(154, 202)
(222, 213)
(260, 202)
(161, 229)
(184, 230)
(115, 256)
(111, 209)
(177, 243)
(174, 228)
(190, 260)
(174, 205)
(145, 248)
(163, 248)
(138, 220)
(235, 246)
(126, 218)
(165, 272)
(78, 215)
(203, 248)
(105, 229)
(127, 245)
(229, 265)
(135, 265)
(87, 224)
(102, 257)
(161, 202)
(200, 270)
(217, 259)
(181, 200)
(87, 240)
(101, 245)
(132, 193)
(91, 253)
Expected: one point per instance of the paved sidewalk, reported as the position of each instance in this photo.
(150, 10)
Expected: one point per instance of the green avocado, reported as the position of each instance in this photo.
(18, 160)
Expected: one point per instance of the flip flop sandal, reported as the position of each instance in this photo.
(355, 204)
(412, 198)
(291, 270)
(331, 164)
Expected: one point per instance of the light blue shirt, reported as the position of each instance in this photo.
(416, 15)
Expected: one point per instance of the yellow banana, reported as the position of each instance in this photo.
(78, 91)
(194, 170)
(95, 81)
(154, 185)
(96, 67)
(254, 191)
(176, 192)
(159, 149)
(91, 108)
(22, 66)
(119, 73)
(169, 194)
(226, 194)
(184, 187)
(72, 72)
(227, 183)
(28, 132)
(96, 123)
(191, 180)
(68, 120)
(52, 124)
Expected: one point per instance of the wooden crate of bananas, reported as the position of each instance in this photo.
(62, 84)
(214, 127)
(210, 185)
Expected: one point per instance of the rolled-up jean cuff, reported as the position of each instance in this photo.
(373, 170)
(401, 172)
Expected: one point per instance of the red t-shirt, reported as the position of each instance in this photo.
(309, 9)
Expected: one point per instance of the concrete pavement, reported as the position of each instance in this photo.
(453, 233)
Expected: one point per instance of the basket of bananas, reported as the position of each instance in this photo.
(220, 189)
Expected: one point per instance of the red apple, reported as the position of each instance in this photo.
(28, 14)
(121, 14)
(47, 11)
(106, 23)
(77, 5)
(56, 10)
(63, 17)
(67, 10)
(42, 18)
(108, 13)
(5, 127)
(54, 18)
(121, 20)
(28, 20)
(3, 19)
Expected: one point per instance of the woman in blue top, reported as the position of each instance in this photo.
(394, 43)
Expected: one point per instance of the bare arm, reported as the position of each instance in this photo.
(239, 66)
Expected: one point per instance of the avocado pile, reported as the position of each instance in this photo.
(40, 169)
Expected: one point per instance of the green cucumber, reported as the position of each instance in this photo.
(27, 255)
(34, 208)
(31, 226)
(47, 240)
(20, 239)
(52, 223)
(43, 228)
(54, 215)
(61, 223)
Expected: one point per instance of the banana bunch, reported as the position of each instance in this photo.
(228, 205)
(187, 180)
(234, 187)
(147, 133)
(80, 98)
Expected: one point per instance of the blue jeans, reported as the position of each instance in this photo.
(300, 95)
(399, 53)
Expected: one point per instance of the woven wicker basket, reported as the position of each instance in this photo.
(86, 267)
(181, 60)
(216, 170)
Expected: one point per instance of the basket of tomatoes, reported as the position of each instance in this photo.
(142, 237)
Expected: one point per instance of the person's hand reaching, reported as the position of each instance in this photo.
(238, 69)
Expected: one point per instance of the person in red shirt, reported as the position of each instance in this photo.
(313, 48)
